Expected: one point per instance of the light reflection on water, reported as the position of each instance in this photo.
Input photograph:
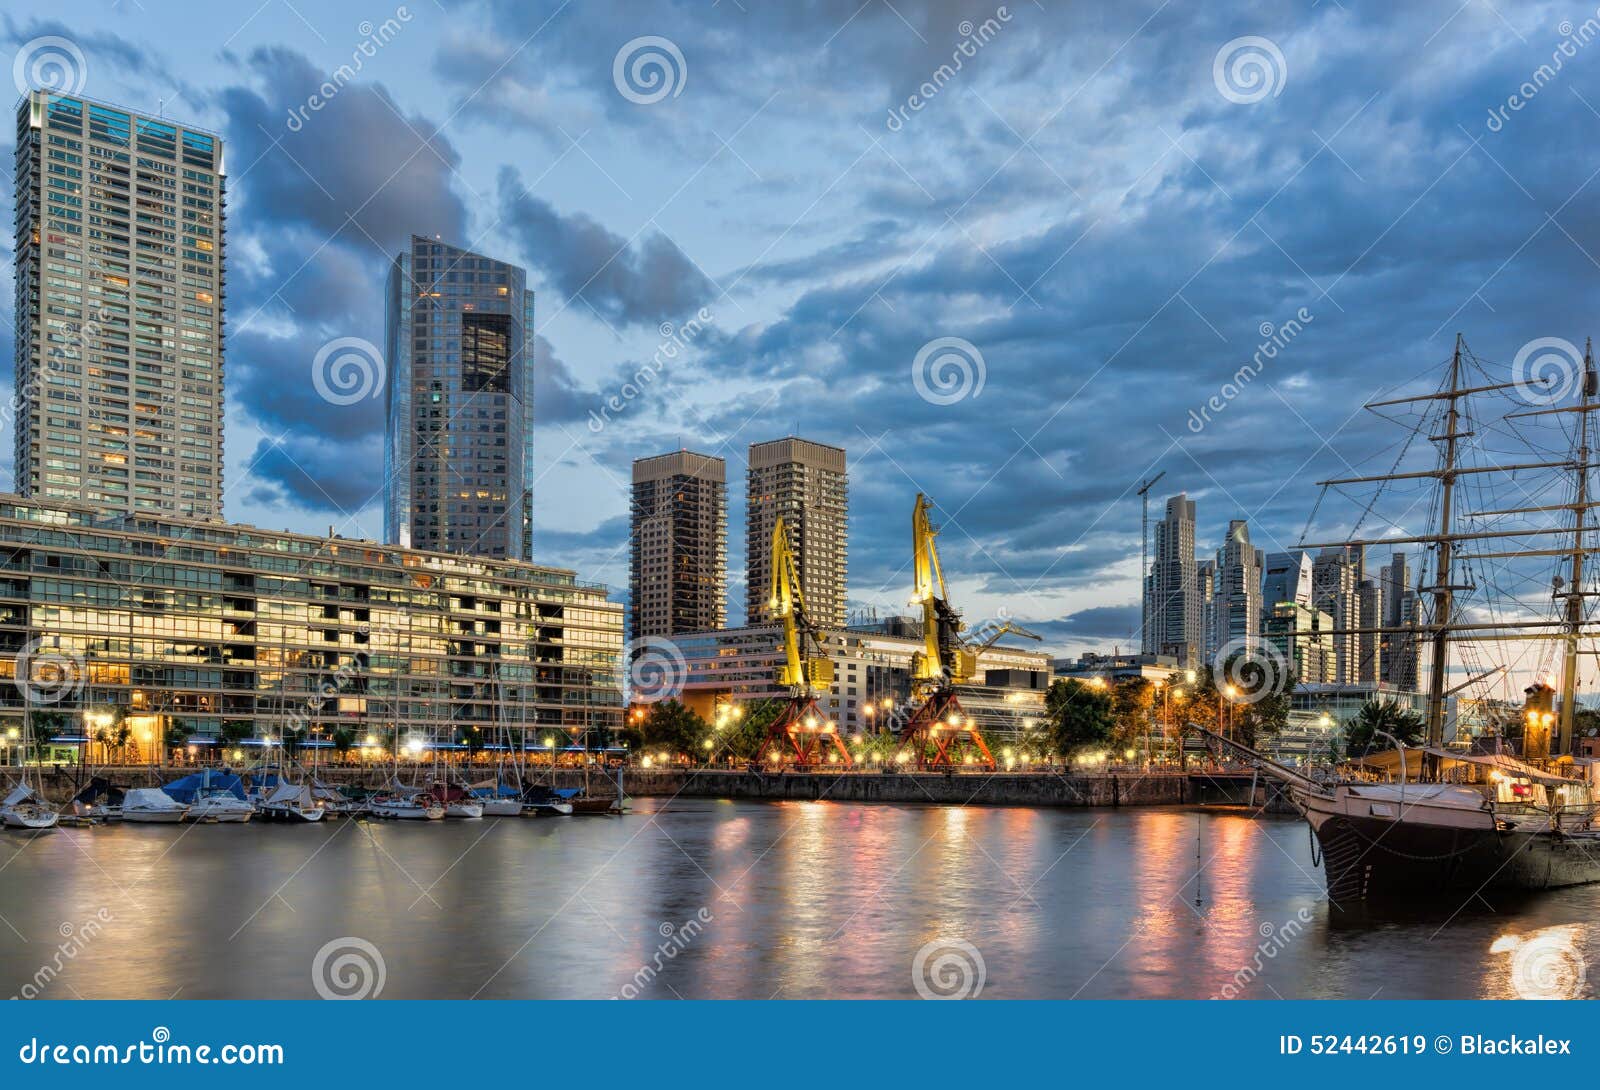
(804, 900)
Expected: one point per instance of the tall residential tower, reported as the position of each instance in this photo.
(806, 484)
(458, 457)
(119, 266)
(678, 566)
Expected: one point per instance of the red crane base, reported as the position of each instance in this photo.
(800, 745)
(934, 743)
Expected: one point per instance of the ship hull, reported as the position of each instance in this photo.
(1370, 859)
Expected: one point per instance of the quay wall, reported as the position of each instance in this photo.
(1131, 788)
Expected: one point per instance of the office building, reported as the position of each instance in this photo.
(678, 565)
(1174, 623)
(1236, 600)
(1302, 638)
(201, 634)
(458, 461)
(805, 484)
(1333, 591)
(1286, 577)
(1399, 651)
(119, 309)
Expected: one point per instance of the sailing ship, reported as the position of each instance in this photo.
(1458, 823)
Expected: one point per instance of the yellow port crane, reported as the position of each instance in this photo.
(939, 733)
(801, 734)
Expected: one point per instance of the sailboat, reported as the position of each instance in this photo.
(211, 797)
(1456, 824)
(24, 809)
(151, 806)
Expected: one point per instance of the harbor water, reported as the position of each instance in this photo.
(699, 898)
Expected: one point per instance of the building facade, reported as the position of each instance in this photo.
(1174, 622)
(1399, 652)
(805, 484)
(1302, 637)
(201, 633)
(119, 309)
(678, 560)
(1236, 599)
(1286, 577)
(872, 677)
(1333, 578)
(458, 460)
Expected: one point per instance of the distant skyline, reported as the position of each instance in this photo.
(1013, 281)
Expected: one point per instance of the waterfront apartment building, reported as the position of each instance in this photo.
(197, 634)
(458, 463)
(678, 559)
(119, 309)
(872, 677)
(1236, 599)
(1174, 622)
(805, 484)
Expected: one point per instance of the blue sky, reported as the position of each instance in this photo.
(1100, 202)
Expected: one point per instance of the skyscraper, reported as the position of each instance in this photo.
(1286, 577)
(678, 566)
(458, 460)
(805, 483)
(1398, 651)
(1333, 578)
(119, 263)
(1237, 600)
(1174, 624)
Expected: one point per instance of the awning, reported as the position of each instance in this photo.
(1388, 760)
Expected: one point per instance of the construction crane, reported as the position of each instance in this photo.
(939, 733)
(801, 733)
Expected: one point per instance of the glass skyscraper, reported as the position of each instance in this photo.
(458, 461)
(119, 292)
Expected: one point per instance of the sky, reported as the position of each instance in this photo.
(1011, 256)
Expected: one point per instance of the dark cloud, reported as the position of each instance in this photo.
(645, 280)
(334, 479)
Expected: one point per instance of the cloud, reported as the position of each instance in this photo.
(630, 281)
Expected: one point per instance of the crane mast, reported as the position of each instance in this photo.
(801, 734)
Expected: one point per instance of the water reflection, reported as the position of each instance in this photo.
(704, 899)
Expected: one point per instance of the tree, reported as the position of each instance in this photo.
(1080, 714)
(1132, 704)
(343, 742)
(674, 728)
(743, 738)
(45, 726)
(1389, 716)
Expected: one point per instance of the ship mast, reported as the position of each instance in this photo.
(1443, 591)
(1569, 665)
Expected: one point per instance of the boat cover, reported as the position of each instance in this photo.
(149, 797)
(188, 789)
